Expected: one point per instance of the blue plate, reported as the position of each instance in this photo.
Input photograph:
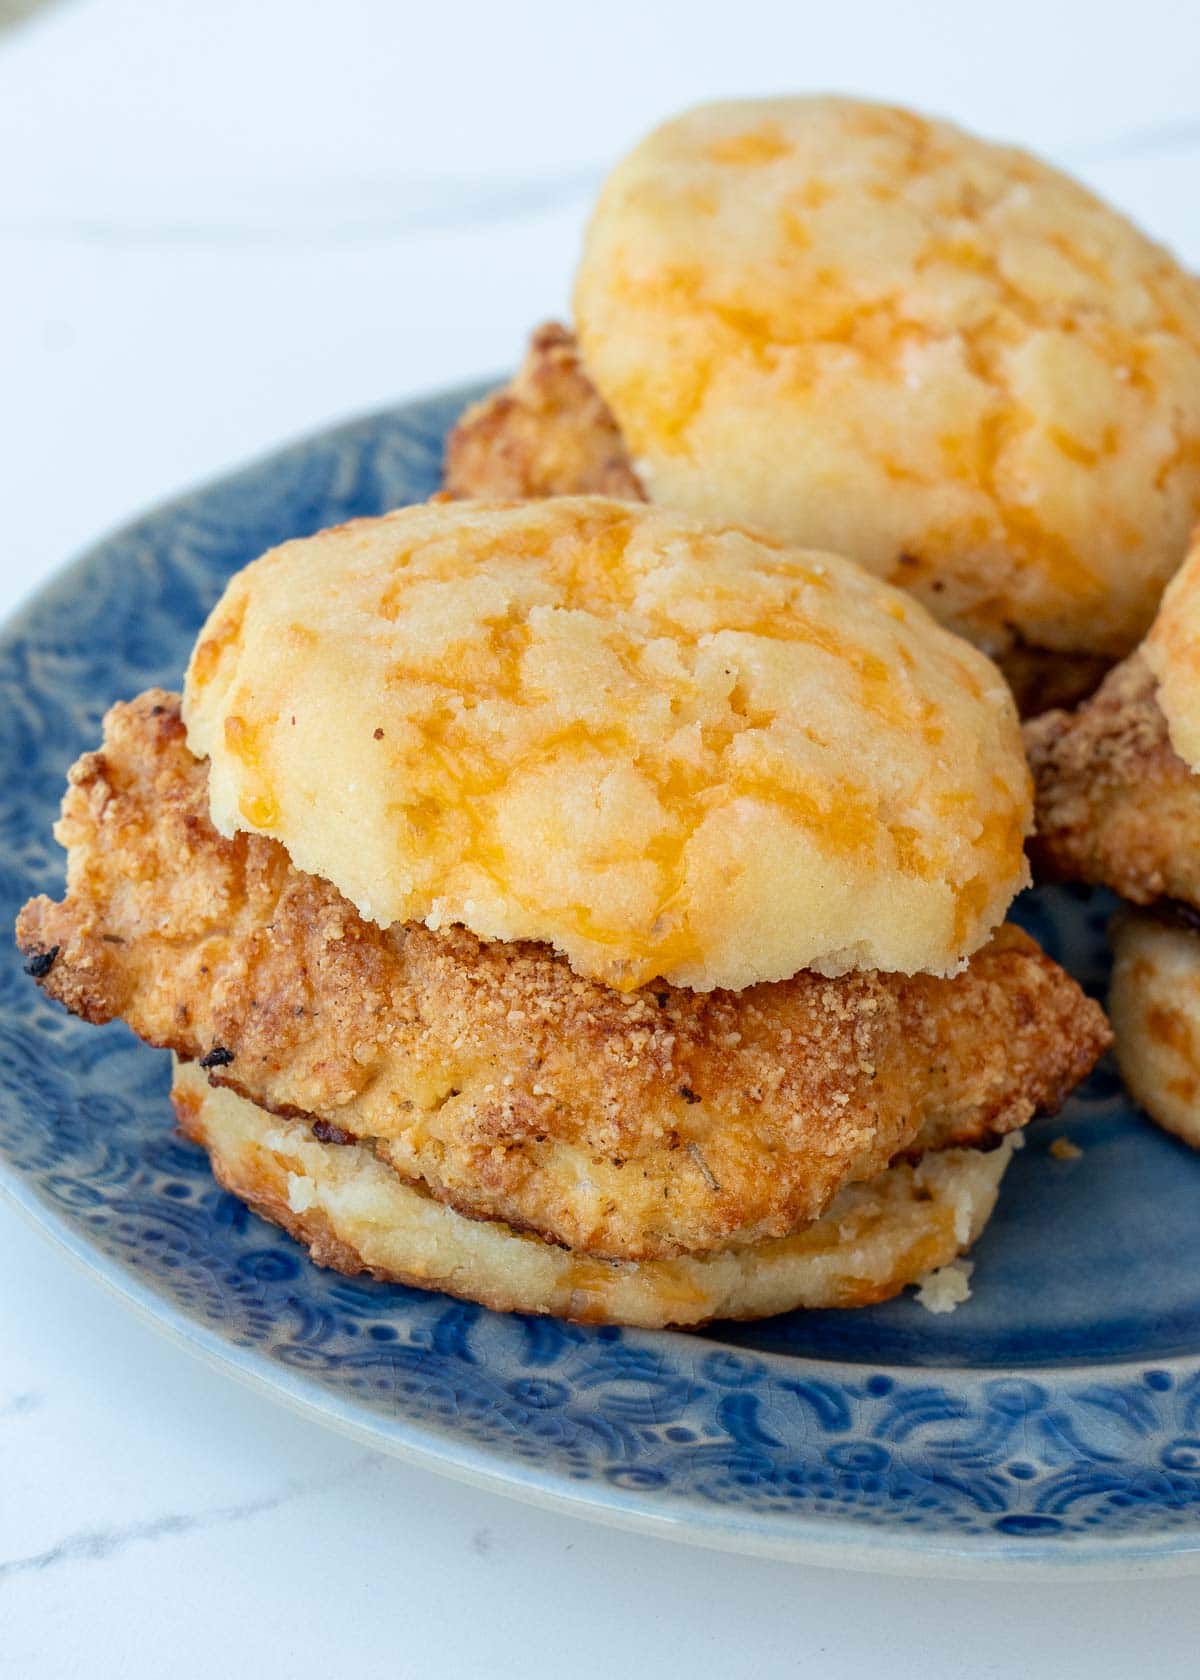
(1052, 1420)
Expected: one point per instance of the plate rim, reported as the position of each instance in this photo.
(828, 1543)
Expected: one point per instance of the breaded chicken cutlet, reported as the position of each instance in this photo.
(548, 432)
(1115, 804)
(628, 1126)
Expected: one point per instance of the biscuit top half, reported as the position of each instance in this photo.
(872, 333)
(665, 748)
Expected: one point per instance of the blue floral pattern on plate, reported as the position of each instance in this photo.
(1053, 1419)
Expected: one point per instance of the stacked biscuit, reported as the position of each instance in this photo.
(1119, 805)
(865, 331)
(579, 907)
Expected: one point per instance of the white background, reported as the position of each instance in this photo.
(223, 223)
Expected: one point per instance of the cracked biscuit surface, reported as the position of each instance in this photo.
(869, 332)
(665, 748)
(628, 1126)
(548, 433)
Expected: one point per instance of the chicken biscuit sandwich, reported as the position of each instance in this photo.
(580, 908)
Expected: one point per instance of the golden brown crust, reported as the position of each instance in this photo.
(1115, 804)
(629, 1125)
(548, 432)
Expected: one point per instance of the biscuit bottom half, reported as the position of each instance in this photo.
(356, 1215)
(1154, 1002)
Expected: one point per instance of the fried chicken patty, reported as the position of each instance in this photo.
(1115, 804)
(356, 1215)
(548, 432)
(626, 1125)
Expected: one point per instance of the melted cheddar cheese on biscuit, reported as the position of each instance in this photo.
(873, 333)
(665, 748)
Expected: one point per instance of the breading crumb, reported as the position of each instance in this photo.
(946, 1288)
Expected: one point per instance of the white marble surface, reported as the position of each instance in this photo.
(221, 224)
